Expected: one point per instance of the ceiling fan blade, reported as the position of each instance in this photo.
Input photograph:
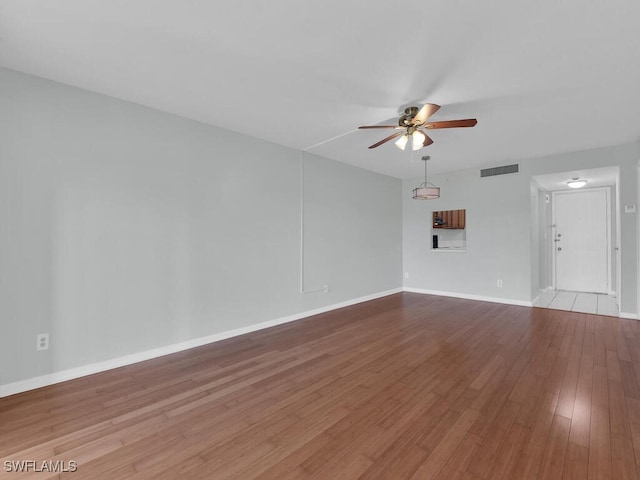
(385, 140)
(427, 140)
(469, 122)
(425, 112)
(381, 126)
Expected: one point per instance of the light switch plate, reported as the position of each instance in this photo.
(629, 209)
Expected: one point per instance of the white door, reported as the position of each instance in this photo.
(581, 240)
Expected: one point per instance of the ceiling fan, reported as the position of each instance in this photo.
(413, 123)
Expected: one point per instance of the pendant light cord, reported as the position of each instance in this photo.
(425, 169)
(425, 159)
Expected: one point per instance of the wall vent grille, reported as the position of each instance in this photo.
(492, 172)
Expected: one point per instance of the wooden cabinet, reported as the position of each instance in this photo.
(451, 219)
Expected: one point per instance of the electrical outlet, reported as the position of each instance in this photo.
(406, 274)
(499, 282)
(42, 341)
(325, 289)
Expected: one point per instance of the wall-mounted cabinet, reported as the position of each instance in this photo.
(453, 219)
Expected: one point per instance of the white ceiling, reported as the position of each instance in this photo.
(540, 77)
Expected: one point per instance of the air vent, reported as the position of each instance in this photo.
(492, 172)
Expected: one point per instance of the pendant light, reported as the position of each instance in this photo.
(426, 190)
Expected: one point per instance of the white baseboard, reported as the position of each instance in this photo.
(631, 316)
(70, 374)
(482, 298)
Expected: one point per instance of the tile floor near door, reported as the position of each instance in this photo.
(597, 303)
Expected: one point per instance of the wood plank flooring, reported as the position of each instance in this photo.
(408, 386)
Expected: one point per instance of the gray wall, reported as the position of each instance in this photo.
(545, 240)
(498, 236)
(502, 227)
(536, 240)
(125, 229)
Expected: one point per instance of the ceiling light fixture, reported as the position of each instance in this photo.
(576, 182)
(426, 190)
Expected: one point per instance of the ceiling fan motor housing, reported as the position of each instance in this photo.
(407, 119)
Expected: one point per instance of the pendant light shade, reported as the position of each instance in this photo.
(426, 190)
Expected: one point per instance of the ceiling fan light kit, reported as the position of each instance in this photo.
(413, 124)
(401, 143)
(426, 190)
(417, 140)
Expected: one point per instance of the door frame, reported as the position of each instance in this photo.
(554, 194)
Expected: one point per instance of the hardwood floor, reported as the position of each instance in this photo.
(408, 386)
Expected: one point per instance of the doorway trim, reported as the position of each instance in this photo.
(554, 194)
